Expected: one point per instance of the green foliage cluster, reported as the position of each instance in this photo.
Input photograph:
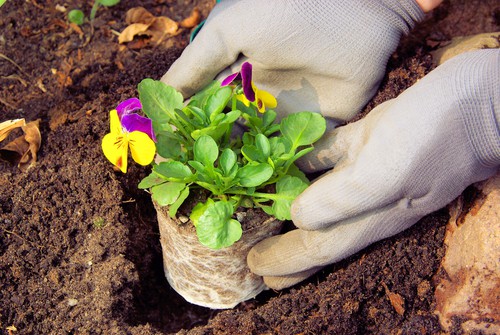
(76, 15)
(199, 152)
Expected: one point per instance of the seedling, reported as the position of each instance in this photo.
(76, 15)
(195, 142)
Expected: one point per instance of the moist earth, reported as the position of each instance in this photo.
(79, 243)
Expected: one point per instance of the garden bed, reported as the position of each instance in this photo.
(79, 243)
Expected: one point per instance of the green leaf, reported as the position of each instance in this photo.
(262, 144)
(279, 146)
(301, 153)
(200, 99)
(252, 154)
(152, 180)
(272, 129)
(287, 189)
(227, 160)
(168, 146)
(172, 210)
(218, 101)
(2, 2)
(216, 229)
(159, 100)
(268, 118)
(215, 132)
(75, 16)
(190, 124)
(174, 170)
(206, 150)
(294, 171)
(231, 117)
(109, 3)
(167, 193)
(199, 114)
(197, 166)
(303, 128)
(198, 211)
(253, 175)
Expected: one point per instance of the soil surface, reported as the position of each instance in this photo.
(79, 243)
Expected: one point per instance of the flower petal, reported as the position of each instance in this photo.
(246, 81)
(115, 126)
(268, 99)
(135, 122)
(243, 99)
(143, 149)
(115, 148)
(128, 106)
(229, 79)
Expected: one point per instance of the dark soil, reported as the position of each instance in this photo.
(79, 244)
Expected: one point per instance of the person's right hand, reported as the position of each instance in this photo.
(321, 56)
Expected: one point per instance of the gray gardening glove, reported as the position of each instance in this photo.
(409, 157)
(323, 56)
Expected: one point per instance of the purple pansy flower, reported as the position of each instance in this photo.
(245, 75)
(132, 121)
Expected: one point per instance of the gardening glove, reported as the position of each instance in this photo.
(323, 56)
(409, 157)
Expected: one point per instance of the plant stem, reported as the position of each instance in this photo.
(93, 12)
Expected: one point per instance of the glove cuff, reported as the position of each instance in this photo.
(477, 84)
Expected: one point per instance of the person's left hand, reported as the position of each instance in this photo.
(409, 157)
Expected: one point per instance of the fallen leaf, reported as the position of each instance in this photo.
(135, 29)
(397, 301)
(24, 149)
(162, 27)
(192, 20)
(143, 23)
(138, 15)
(14, 151)
(7, 126)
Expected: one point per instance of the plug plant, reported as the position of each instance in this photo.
(197, 148)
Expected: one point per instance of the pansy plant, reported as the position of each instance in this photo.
(198, 149)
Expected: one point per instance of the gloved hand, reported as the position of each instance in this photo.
(324, 56)
(409, 157)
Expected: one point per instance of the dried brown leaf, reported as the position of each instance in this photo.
(15, 150)
(192, 20)
(131, 31)
(7, 126)
(143, 23)
(138, 15)
(162, 27)
(397, 301)
(34, 138)
(24, 149)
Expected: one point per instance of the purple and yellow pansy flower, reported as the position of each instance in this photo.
(128, 129)
(251, 94)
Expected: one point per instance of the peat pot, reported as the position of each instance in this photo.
(206, 277)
